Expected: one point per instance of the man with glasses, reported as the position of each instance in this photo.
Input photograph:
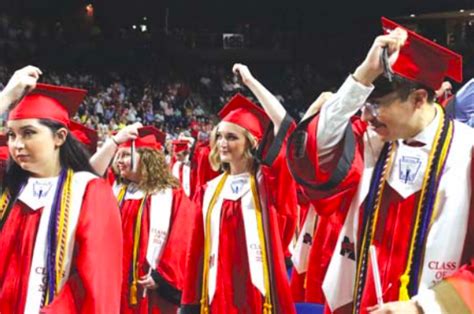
(402, 172)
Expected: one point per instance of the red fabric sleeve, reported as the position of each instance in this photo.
(171, 266)
(308, 168)
(282, 193)
(97, 282)
(194, 257)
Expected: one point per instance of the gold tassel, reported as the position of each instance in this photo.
(204, 307)
(133, 293)
(267, 308)
(403, 293)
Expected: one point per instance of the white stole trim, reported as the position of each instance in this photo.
(37, 279)
(186, 180)
(175, 169)
(338, 284)
(304, 243)
(160, 216)
(254, 249)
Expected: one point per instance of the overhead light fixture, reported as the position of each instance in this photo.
(412, 15)
(461, 11)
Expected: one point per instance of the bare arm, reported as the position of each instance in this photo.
(337, 111)
(315, 107)
(21, 83)
(101, 159)
(270, 103)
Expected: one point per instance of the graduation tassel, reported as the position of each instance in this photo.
(403, 293)
(133, 293)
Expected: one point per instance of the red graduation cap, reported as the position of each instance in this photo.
(148, 136)
(424, 61)
(241, 111)
(180, 146)
(85, 135)
(51, 102)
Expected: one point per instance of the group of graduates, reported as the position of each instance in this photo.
(369, 196)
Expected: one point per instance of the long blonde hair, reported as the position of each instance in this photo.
(214, 158)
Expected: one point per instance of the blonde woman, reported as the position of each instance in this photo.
(155, 213)
(236, 258)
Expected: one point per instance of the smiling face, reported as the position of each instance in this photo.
(35, 147)
(395, 117)
(231, 143)
(123, 160)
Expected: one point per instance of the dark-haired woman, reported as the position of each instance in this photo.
(155, 219)
(60, 253)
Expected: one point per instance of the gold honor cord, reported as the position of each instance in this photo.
(4, 202)
(368, 230)
(405, 278)
(63, 223)
(267, 306)
(207, 245)
(136, 244)
(121, 194)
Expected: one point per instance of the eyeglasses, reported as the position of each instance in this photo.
(372, 108)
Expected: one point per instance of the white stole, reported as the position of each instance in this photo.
(185, 178)
(235, 188)
(161, 207)
(304, 243)
(160, 218)
(37, 279)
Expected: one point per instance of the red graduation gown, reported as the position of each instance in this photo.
(201, 170)
(332, 209)
(170, 267)
(393, 231)
(234, 292)
(94, 283)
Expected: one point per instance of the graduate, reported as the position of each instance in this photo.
(155, 219)
(181, 167)
(201, 169)
(60, 228)
(402, 171)
(236, 258)
(87, 136)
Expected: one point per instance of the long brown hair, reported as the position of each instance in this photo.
(154, 171)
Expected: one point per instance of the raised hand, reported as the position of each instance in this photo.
(130, 132)
(372, 66)
(244, 73)
(22, 82)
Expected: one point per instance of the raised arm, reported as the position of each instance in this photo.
(336, 113)
(101, 159)
(270, 103)
(315, 107)
(21, 83)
